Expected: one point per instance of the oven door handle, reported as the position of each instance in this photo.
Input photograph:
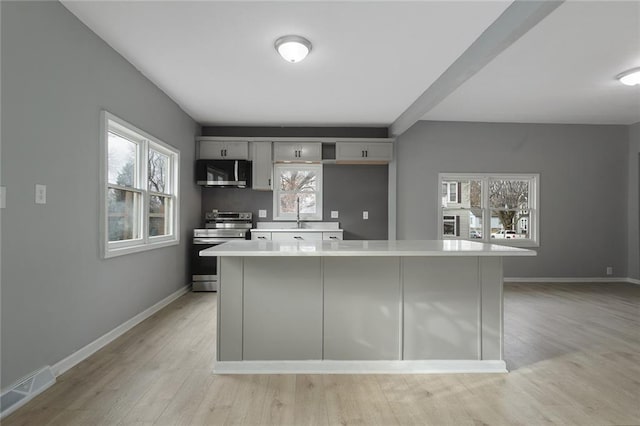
(204, 241)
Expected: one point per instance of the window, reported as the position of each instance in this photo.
(450, 193)
(140, 189)
(297, 186)
(494, 208)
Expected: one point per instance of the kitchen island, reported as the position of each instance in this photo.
(360, 306)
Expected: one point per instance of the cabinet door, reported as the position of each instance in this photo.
(291, 151)
(262, 166)
(258, 235)
(379, 152)
(236, 150)
(211, 150)
(332, 236)
(296, 236)
(356, 152)
(346, 151)
(223, 150)
(310, 152)
(285, 151)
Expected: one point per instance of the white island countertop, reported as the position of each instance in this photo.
(363, 248)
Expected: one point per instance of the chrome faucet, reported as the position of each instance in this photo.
(298, 212)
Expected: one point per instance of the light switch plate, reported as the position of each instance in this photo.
(262, 213)
(3, 197)
(365, 215)
(41, 194)
(334, 214)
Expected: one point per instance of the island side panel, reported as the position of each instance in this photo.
(229, 309)
(282, 308)
(362, 303)
(441, 308)
(492, 307)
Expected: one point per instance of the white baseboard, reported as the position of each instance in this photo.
(85, 352)
(571, 280)
(360, 367)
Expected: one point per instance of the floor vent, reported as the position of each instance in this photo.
(23, 391)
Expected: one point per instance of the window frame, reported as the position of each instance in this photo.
(144, 142)
(277, 215)
(484, 178)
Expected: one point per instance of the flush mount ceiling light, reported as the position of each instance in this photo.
(630, 77)
(293, 48)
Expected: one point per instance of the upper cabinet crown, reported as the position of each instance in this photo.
(223, 150)
(364, 152)
(297, 152)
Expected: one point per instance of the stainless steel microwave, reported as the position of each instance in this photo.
(224, 173)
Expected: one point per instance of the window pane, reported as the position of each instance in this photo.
(158, 171)
(121, 160)
(122, 214)
(307, 203)
(298, 180)
(509, 224)
(158, 221)
(465, 223)
(464, 192)
(508, 194)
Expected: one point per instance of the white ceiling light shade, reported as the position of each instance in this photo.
(630, 77)
(293, 48)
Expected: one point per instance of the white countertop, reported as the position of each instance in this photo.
(364, 248)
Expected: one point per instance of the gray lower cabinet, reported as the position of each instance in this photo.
(357, 327)
(282, 312)
(441, 308)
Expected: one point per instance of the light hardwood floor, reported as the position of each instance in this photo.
(573, 351)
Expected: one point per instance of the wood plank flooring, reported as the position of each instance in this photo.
(573, 351)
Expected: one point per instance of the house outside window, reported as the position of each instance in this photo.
(297, 186)
(139, 189)
(498, 208)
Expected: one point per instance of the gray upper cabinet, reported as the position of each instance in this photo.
(297, 152)
(262, 166)
(364, 152)
(223, 150)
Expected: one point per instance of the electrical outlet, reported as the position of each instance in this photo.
(41, 194)
(609, 270)
(262, 213)
(334, 214)
(365, 215)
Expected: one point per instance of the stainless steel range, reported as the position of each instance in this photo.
(219, 227)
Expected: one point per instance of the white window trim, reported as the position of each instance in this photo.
(534, 201)
(276, 191)
(119, 248)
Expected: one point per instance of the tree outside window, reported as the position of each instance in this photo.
(298, 188)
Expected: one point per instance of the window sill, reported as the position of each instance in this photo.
(115, 252)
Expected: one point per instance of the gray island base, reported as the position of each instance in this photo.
(360, 306)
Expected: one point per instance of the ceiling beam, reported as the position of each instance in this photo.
(513, 23)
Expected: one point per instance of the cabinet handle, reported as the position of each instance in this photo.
(262, 238)
(298, 238)
(333, 238)
(222, 153)
(225, 152)
(366, 153)
(362, 154)
(269, 181)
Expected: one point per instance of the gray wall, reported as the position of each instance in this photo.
(349, 189)
(634, 207)
(583, 181)
(58, 295)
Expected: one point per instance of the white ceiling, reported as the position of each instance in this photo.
(371, 60)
